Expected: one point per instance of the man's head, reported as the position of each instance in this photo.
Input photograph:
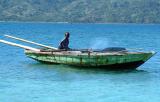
(67, 34)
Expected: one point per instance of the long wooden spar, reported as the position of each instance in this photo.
(19, 45)
(31, 42)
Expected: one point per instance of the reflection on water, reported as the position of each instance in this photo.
(69, 73)
(86, 70)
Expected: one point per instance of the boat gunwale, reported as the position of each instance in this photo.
(70, 53)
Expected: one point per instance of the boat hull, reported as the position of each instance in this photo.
(125, 60)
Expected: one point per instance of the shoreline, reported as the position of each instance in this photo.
(77, 22)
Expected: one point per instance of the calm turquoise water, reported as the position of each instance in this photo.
(25, 80)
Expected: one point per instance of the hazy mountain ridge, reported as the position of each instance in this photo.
(101, 11)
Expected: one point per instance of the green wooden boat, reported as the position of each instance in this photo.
(108, 58)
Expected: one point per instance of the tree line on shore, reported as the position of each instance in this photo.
(81, 11)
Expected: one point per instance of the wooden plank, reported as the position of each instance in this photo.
(31, 42)
(19, 45)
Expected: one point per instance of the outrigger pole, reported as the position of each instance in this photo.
(19, 45)
(31, 42)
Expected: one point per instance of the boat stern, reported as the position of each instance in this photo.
(30, 54)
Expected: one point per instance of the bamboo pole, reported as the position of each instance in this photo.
(19, 45)
(31, 42)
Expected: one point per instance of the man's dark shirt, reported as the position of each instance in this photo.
(64, 44)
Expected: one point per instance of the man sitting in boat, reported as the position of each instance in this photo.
(65, 42)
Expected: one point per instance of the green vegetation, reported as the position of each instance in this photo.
(100, 11)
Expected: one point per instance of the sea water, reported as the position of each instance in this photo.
(25, 80)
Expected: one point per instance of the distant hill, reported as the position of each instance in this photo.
(99, 11)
